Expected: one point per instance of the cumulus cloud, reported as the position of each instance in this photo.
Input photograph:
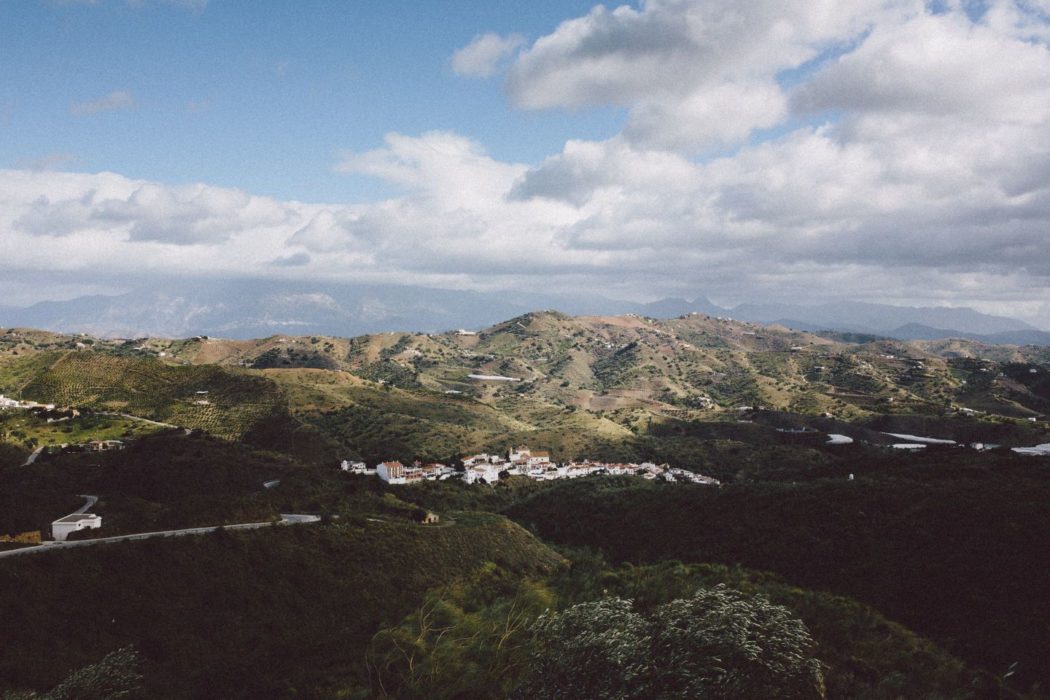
(119, 209)
(932, 155)
(718, 116)
(481, 58)
(938, 65)
(293, 260)
(116, 100)
(693, 75)
(449, 170)
(906, 160)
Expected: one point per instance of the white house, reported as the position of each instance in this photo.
(538, 459)
(479, 459)
(61, 528)
(391, 472)
(489, 473)
(520, 454)
(353, 467)
(435, 471)
(105, 445)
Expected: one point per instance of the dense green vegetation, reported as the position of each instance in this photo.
(273, 613)
(700, 646)
(163, 482)
(948, 541)
(864, 655)
(32, 429)
(952, 552)
(481, 637)
(616, 388)
(205, 397)
(12, 455)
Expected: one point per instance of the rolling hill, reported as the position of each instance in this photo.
(749, 404)
(600, 386)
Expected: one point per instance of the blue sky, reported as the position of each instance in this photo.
(894, 151)
(262, 95)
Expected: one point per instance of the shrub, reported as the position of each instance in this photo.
(716, 644)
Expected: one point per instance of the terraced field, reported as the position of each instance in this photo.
(221, 401)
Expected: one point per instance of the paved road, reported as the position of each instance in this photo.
(90, 501)
(286, 519)
(131, 417)
(32, 457)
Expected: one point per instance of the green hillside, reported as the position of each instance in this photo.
(477, 639)
(205, 397)
(950, 549)
(274, 613)
(624, 386)
(947, 541)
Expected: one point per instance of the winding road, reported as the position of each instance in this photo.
(138, 418)
(32, 457)
(88, 502)
(286, 519)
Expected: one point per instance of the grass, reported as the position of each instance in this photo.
(33, 430)
(225, 403)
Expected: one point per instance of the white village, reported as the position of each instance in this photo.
(487, 469)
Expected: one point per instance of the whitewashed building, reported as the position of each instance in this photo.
(61, 528)
(391, 472)
(353, 467)
(489, 473)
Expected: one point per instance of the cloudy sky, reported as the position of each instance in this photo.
(887, 151)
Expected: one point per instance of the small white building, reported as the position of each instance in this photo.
(482, 458)
(487, 473)
(353, 467)
(61, 528)
(519, 455)
(538, 459)
(105, 445)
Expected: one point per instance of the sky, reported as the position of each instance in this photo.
(879, 150)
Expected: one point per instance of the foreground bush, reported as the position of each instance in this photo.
(717, 644)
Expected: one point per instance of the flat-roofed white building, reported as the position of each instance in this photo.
(391, 472)
(61, 528)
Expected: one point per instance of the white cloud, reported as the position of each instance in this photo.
(116, 100)
(293, 260)
(718, 116)
(929, 181)
(941, 65)
(693, 75)
(451, 171)
(481, 58)
(64, 205)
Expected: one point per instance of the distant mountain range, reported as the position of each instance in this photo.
(251, 309)
(899, 322)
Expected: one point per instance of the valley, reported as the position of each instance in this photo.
(798, 428)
